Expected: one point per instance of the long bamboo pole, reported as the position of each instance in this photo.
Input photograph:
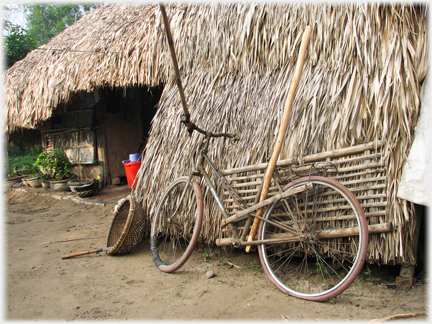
(174, 59)
(325, 235)
(282, 129)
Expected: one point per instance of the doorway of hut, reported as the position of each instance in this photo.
(127, 121)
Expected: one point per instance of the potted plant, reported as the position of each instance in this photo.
(25, 170)
(33, 174)
(13, 176)
(45, 180)
(55, 165)
(14, 179)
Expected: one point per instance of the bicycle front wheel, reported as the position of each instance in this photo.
(177, 223)
(323, 248)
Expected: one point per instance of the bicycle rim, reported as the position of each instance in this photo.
(328, 235)
(177, 223)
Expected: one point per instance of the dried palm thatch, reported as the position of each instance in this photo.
(360, 83)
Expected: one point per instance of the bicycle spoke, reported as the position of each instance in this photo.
(322, 262)
(289, 211)
(176, 225)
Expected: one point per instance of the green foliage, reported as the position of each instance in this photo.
(54, 164)
(321, 268)
(51, 165)
(47, 20)
(44, 21)
(31, 169)
(205, 255)
(17, 44)
(19, 151)
(22, 161)
(257, 267)
(258, 270)
(373, 280)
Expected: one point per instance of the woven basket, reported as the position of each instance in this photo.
(127, 228)
(81, 188)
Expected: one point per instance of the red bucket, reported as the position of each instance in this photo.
(131, 169)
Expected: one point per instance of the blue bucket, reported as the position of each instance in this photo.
(134, 157)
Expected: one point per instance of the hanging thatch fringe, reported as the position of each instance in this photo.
(360, 83)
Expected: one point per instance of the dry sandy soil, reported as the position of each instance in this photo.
(39, 285)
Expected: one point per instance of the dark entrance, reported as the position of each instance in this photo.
(126, 124)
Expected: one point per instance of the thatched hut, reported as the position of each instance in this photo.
(361, 83)
(64, 89)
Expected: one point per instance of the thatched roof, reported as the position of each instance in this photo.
(360, 83)
(117, 45)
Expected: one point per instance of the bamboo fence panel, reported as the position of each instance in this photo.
(363, 173)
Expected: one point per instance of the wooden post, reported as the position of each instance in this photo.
(174, 59)
(282, 129)
(406, 274)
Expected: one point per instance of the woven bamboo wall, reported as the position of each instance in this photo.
(359, 168)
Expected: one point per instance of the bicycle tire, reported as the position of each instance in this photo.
(171, 240)
(319, 266)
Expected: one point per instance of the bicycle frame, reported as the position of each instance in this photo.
(245, 211)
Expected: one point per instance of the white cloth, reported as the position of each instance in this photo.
(416, 176)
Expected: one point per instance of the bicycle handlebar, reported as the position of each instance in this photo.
(192, 127)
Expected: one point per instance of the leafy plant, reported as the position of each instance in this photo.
(45, 177)
(30, 169)
(257, 269)
(321, 268)
(374, 281)
(17, 44)
(21, 160)
(205, 255)
(45, 21)
(54, 164)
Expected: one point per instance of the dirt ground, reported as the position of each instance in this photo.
(39, 285)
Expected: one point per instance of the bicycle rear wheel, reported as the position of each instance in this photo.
(327, 237)
(177, 223)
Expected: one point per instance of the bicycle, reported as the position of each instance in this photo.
(312, 240)
(307, 249)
